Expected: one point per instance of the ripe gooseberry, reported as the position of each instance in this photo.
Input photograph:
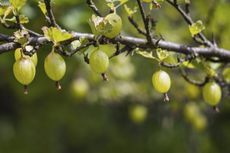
(115, 25)
(24, 71)
(212, 93)
(161, 81)
(55, 67)
(99, 61)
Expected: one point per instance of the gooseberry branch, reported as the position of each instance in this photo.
(209, 51)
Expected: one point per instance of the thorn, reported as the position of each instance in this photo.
(58, 85)
(26, 90)
(166, 97)
(105, 77)
(158, 41)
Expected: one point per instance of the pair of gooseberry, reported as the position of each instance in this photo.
(24, 68)
(211, 91)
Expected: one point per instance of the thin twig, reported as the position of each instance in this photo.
(146, 22)
(93, 7)
(133, 22)
(189, 20)
(207, 52)
(51, 19)
(78, 49)
(5, 38)
(194, 82)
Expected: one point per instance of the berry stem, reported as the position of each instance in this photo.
(105, 77)
(166, 97)
(216, 109)
(58, 85)
(26, 90)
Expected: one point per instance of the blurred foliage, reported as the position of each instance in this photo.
(92, 116)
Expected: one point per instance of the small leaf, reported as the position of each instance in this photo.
(8, 11)
(130, 11)
(23, 19)
(42, 6)
(188, 64)
(56, 35)
(171, 59)
(21, 36)
(162, 54)
(3, 8)
(18, 4)
(110, 4)
(146, 54)
(196, 28)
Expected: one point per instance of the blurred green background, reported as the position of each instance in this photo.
(123, 115)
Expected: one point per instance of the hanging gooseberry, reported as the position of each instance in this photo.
(161, 81)
(24, 71)
(55, 67)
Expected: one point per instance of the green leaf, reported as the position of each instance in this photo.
(23, 19)
(146, 54)
(196, 28)
(130, 11)
(8, 11)
(3, 9)
(171, 59)
(110, 4)
(162, 54)
(18, 4)
(21, 36)
(42, 6)
(188, 64)
(56, 35)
